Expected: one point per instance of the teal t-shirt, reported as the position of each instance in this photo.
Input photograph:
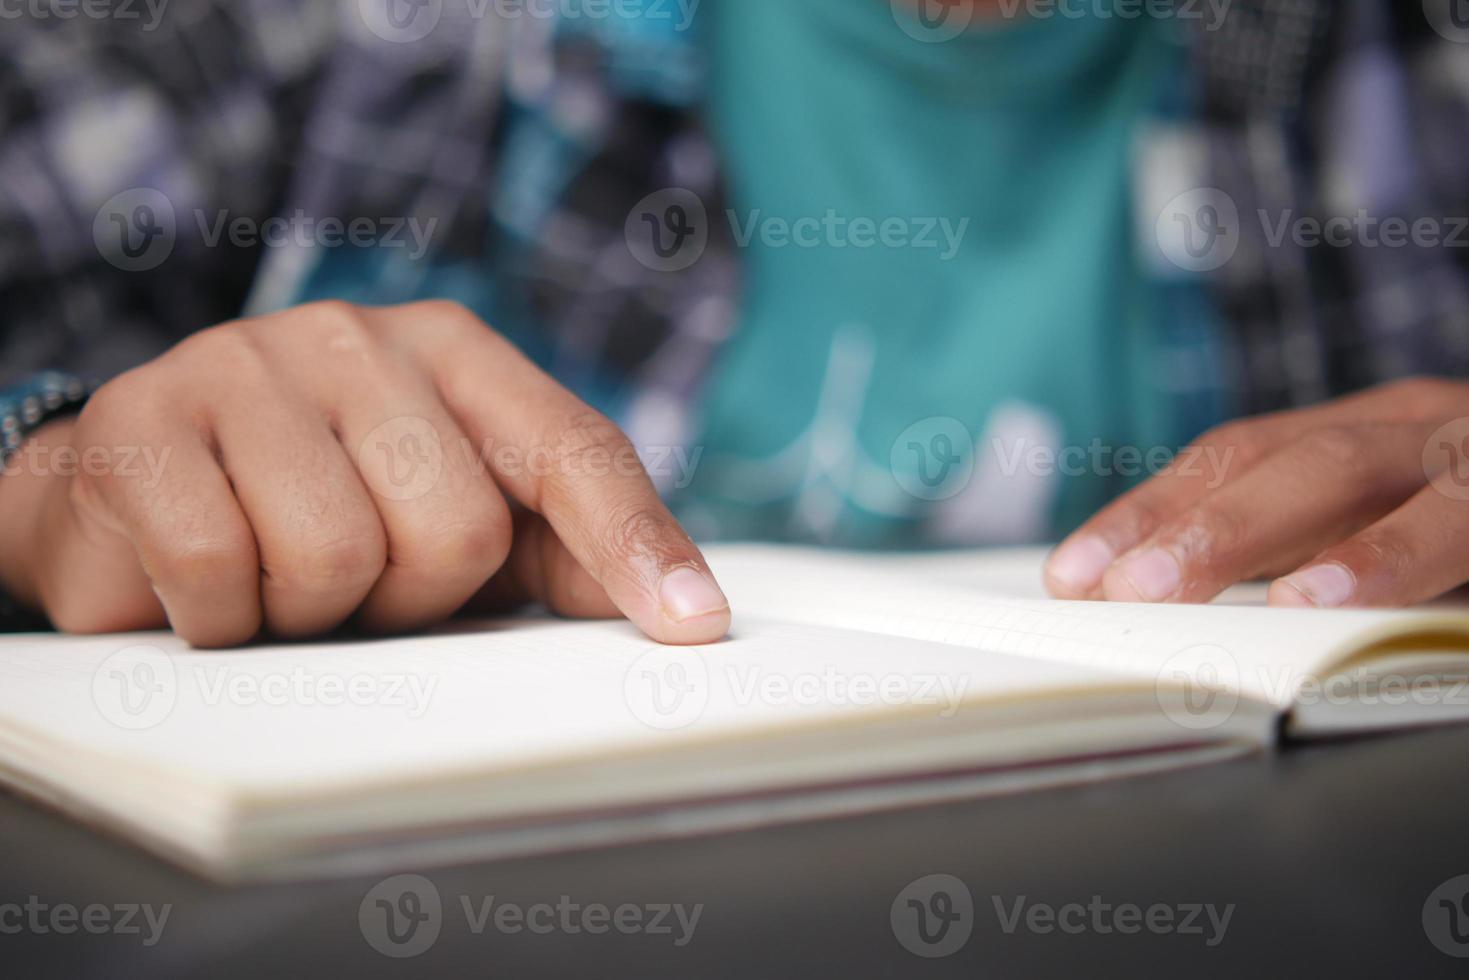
(938, 249)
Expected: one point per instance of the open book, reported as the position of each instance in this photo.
(849, 683)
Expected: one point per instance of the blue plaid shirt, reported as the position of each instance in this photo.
(496, 159)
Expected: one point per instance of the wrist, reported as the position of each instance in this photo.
(29, 477)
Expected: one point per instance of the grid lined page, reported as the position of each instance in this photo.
(1264, 653)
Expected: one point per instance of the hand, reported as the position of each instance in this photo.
(333, 462)
(1363, 501)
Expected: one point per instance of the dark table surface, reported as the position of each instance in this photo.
(1331, 857)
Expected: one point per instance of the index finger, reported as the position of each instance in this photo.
(557, 456)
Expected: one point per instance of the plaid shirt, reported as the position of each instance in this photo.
(133, 143)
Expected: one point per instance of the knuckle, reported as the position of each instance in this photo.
(448, 310)
(204, 565)
(1337, 448)
(1382, 551)
(643, 530)
(335, 565)
(233, 347)
(1244, 437)
(449, 319)
(1130, 518)
(338, 325)
(474, 546)
(1140, 515)
(118, 403)
(586, 442)
(1212, 533)
(1423, 394)
(330, 312)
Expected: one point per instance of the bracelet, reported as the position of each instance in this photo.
(26, 408)
(23, 410)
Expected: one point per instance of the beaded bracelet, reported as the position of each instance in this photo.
(24, 409)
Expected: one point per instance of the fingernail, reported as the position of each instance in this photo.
(1154, 575)
(686, 593)
(1325, 586)
(1079, 563)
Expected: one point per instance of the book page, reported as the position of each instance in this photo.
(995, 602)
(511, 694)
